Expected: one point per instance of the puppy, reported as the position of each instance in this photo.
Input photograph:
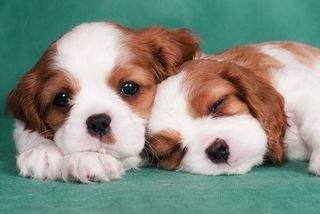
(226, 113)
(81, 110)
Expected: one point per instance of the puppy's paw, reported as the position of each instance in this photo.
(41, 162)
(314, 163)
(89, 167)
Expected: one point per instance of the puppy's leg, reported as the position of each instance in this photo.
(37, 157)
(310, 133)
(91, 166)
(313, 142)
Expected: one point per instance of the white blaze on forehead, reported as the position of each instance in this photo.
(170, 110)
(89, 51)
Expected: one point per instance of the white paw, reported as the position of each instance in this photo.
(314, 163)
(132, 162)
(91, 166)
(41, 162)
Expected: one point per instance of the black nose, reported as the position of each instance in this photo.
(98, 124)
(218, 151)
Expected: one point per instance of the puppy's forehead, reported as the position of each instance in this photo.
(202, 69)
(90, 49)
(172, 103)
(170, 107)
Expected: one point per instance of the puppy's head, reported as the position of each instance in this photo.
(215, 118)
(94, 87)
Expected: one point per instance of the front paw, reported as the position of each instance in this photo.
(89, 167)
(314, 163)
(41, 162)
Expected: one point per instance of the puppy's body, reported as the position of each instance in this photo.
(238, 106)
(81, 110)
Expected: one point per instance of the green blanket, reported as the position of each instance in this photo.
(28, 27)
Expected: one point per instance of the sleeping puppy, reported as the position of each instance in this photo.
(81, 110)
(231, 111)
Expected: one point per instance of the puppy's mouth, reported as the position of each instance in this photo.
(107, 138)
(104, 145)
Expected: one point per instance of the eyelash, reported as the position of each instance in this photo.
(213, 108)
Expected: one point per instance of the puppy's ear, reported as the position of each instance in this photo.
(23, 100)
(264, 103)
(168, 49)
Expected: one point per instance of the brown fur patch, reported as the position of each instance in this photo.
(142, 102)
(305, 54)
(164, 149)
(244, 86)
(206, 87)
(249, 57)
(55, 82)
(161, 50)
(32, 99)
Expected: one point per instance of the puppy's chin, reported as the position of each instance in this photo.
(244, 138)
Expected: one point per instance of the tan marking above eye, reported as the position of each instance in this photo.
(122, 74)
(205, 87)
(142, 101)
(56, 82)
(230, 105)
(216, 106)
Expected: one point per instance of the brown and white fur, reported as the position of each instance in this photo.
(74, 117)
(229, 112)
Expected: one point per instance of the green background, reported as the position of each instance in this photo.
(28, 27)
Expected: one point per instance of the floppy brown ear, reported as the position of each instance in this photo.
(265, 104)
(23, 102)
(168, 49)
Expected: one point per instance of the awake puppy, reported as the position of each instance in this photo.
(225, 114)
(81, 111)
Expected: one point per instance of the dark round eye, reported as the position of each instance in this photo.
(215, 105)
(62, 99)
(129, 89)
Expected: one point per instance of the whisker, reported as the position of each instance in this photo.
(154, 155)
(48, 131)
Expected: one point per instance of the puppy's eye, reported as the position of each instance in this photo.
(213, 108)
(61, 99)
(129, 89)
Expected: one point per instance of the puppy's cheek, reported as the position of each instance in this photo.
(251, 147)
(128, 131)
(73, 139)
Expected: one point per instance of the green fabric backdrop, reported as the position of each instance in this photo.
(28, 27)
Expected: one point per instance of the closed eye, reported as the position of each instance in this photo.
(215, 106)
